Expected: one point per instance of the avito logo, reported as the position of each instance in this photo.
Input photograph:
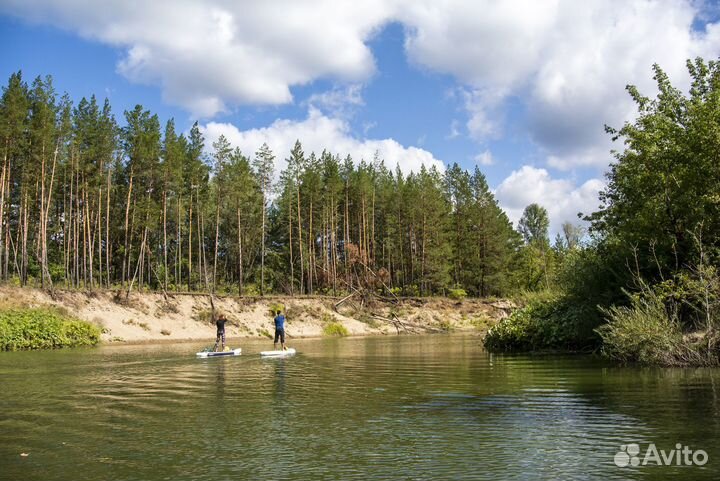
(629, 455)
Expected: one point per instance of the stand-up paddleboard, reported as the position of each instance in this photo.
(287, 352)
(232, 352)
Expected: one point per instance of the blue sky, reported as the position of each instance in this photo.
(521, 88)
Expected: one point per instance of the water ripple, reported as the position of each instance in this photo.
(435, 407)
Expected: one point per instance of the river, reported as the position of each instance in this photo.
(400, 407)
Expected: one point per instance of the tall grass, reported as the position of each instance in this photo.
(649, 331)
(643, 332)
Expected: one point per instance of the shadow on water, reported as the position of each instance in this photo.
(425, 407)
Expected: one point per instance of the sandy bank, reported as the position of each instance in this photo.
(147, 317)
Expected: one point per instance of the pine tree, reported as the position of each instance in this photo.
(264, 168)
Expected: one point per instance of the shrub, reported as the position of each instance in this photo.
(23, 329)
(276, 308)
(642, 332)
(546, 322)
(335, 329)
(412, 290)
(457, 294)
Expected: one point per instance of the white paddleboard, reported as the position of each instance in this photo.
(287, 352)
(232, 352)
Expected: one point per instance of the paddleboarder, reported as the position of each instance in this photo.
(220, 322)
(279, 330)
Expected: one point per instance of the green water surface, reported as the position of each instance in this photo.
(401, 407)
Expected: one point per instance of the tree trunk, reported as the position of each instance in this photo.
(108, 251)
(190, 224)
(240, 255)
(262, 256)
(126, 258)
(165, 254)
(3, 251)
(178, 247)
(290, 244)
(217, 238)
(311, 251)
(300, 236)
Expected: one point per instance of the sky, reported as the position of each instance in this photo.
(521, 89)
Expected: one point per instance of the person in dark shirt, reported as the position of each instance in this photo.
(220, 322)
(279, 330)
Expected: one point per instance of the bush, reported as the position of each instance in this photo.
(23, 329)
(335, 329)
(457, 294)
(642, 332)
(546, 322)
(276, 308)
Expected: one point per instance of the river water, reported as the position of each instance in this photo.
(402, 407)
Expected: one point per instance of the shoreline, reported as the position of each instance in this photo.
(235, 339)
(151, 317)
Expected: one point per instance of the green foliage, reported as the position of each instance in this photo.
(412, 290)
(457, 294)
(23, 329)
(642, 332)
(481, 237)
(534, 224)
(335, 329)
(276, 308)
(662, 194)
(548, 322)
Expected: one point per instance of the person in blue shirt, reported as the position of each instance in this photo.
(279, 330)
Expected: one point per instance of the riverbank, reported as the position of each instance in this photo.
(152, 317)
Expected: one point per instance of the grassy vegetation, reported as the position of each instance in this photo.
(335, 329)
(457, 294)
(650, 331)
(276, 308)
(44, 328)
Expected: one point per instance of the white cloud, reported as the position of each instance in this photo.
(454, 130)
(567, 61)
(562, 198)
(318, 132)
(339, 101)
(209, 56)
(485, 112)
(564, 63)
(484, 158)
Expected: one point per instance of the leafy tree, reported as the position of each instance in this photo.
(534, 224)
